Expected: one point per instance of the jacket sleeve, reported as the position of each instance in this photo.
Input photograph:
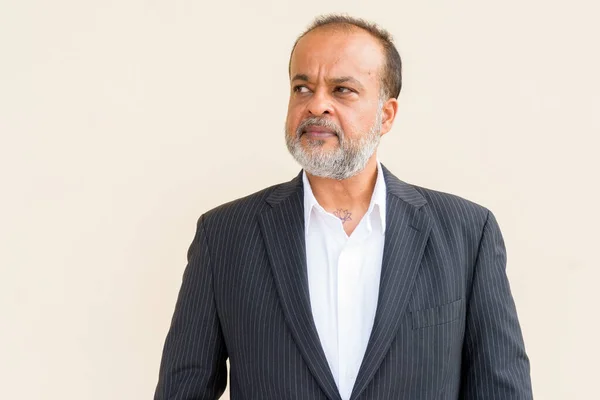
(194, 355)
(495, 364)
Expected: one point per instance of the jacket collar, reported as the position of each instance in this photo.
(393, 186)
(376, 205)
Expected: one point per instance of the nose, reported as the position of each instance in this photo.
(319, 104)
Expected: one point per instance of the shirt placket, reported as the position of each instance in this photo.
(349, 264)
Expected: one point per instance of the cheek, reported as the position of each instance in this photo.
(290, 124)
(293, 118)
(350, 123)
(360, 122)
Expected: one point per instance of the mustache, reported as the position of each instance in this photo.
(319, 121)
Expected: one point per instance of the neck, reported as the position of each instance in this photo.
(353, 193)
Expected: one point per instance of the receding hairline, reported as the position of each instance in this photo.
(348, 29)
(336, 26)
(344, 27)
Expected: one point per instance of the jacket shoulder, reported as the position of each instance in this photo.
(239, 211)
(453, 209)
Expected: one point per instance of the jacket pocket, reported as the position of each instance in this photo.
(437, 315)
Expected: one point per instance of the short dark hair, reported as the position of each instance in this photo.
(391, 78)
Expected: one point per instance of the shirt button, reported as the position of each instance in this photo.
(350, 376)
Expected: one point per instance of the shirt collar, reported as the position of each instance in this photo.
(377, 205)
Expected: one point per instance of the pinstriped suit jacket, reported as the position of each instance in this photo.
(445, 327)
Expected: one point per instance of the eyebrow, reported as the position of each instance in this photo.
(334, 81)
(300, 77)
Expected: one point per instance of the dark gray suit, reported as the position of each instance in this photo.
(445, 327)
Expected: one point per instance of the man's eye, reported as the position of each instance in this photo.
(301, 89)
(342, 89)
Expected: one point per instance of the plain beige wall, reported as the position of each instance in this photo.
(122, 121)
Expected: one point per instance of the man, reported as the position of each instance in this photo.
(346, 282)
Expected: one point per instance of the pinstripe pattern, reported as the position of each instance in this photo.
(445, 326)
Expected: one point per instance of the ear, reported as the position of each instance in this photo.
(388, 115)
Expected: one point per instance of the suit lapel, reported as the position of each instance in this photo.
(407, 231)
(282, 226)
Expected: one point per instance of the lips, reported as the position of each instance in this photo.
(318, 132)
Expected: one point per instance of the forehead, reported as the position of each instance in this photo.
(330, 52)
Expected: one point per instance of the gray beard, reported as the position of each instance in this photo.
(347, 160)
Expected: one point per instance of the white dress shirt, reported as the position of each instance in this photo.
(343, 280)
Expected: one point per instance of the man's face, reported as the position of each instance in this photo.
(335, 110)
